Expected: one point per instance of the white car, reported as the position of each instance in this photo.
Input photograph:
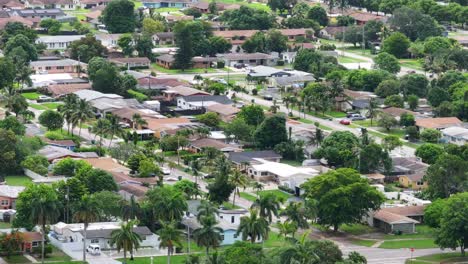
(44, 97)
(94, 249)
(166, 171)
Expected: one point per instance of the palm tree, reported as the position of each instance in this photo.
(195, 167)
(126, 239)
(138, 121)
(84, 111)
(131, 210)
(206, 209)
(286, 228)
(296, 213)
(44, 211)
(215, 258)
(86, 211)
(274, 108)
(210, 155)
(69, 108)
(239, 180)
(373, 111)
(253, 227)
(100, 129)
(268, 205)
(209, 235)
(257, 187)
(114, 127)
(302, 251)
(169, 237)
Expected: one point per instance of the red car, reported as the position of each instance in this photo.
(345, 122)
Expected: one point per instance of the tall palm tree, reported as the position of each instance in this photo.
(239, 180)
(68, 109)
(373, 109)
(195, 167)
(215, 258)
(206, 209)
(296, 213)
(138, 121)
(45, 210)
(302, 251)
(210, 155)
(126, 239)
(253, 227)
(114, 127)
(268, 205)
(84, 111)
(209, 235)
(286, 228)
(86, 211)
(131, 210)
(257, 187)
(100, 129)
(169, 237)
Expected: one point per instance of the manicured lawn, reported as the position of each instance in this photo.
(394, 131)
(175, 71)
(59, 135)
(363, 242)
(52, 106)
(259, 6)
(358, 51)
(440, 258)
(18, 180)
(292, 162)
(344, 59)
(57, 255)
(177, 259)
(336, 114)
(277, 193)
(17, 259)
(365, 123)
(273, 241)
(248, 196)
(31, 96)
(193, 246)
(307, 121)
(422, 231)
(411, 63)
(229, 206)
(137, 3)
(38, 107)
(167, 9)
(4, 225)
(418, 244)
(356, 229)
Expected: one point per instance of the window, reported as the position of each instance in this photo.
(94, 241)
(48, 68)
(35, 244)
(60, 67)
(235, 235)
(233, 219)
(222, 237)
(5, 202)
(221, 216)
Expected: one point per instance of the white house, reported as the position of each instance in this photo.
(108, 40)
(97, 233)
(284, 174)
(455, 135)
(200, 101)
(58, 42)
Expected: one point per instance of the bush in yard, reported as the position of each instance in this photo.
(431, 135)
(254, 91)
(12, 123)
(147, 168)
(137, 95)
(412, 132)
(429, 153)
(56, 135)
(387, 121)
(407, 119)
(51, 119)
(36, 163)
(210, 119)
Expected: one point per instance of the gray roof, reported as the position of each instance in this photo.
(61, 38)
(89, 95)
(248, 156)
(246, 56)
(166, 57)
(55, 63)
(39, 12)
(290, 80)
(107, 233)
(221, 99)
(193, 224)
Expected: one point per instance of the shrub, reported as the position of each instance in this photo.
(220, 64)
(36, 163)
(280, 63)
(286, 189)
(190, 157)
(56, 135)
(137, 95)
(254, 91)
(99, 150)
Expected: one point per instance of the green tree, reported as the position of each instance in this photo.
(219, 45)
(343, 197)
(304, 250)
(125, 42)
(184, 42)
(372, 158)
(86, 48)
(109, 205)
(446, 176)
(387, 62)
(239, 129)
(318, 14)
(387, 88)
(339, 149)
(414, 84)
(387, 121)
(114, 128)
(23, 42)
(396, 44)
(96, 180)
(104, 75)
(239, 180)
(9, 156)
(37, 163)
(248, 18)
(413, 102)
(453, 228)
(431, 135)
(170, 237)
(407, 120)
(429, 153)
(208, 235)
(271, 132)
(11, 123)
(52, 120)
(148, 168)
(391, 142)
(126, 239)
(7, 73)
(252, 114)
(276, 41)
(256, 43)
(395, 101)
(69, 167)
(253, 227)
(221, 189)
(268, 205)
(414, 24)
(296, 213)
(151, 26)
(168, 204)
(53, 26)
(85, 212)
(144, 46)
(433, 213)
(119, 16)
(243, 252)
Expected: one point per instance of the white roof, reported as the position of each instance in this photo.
(89, 95)
(77, 227)
(61, 38)
(268, 71)
(283, 170)
(459, 132)
(37, 78)
(217, 135)
(54, 63)
(10, 191)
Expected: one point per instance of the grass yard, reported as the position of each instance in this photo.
(228, 206)
(59, 135)
(344, 59)
(167, 9)
(363, 242)
(57, 255)
(359, 51)
(394, 131)
(439, 258)
(4, 225)
(38, 107)
(274, 241)
(336, 114)
(412, 63)
(357, 229)
(193, 246)
(422, 231)
(248, 196)
(18, 180)
(177, 259)
(277, 193)
(292, 162)
(16, 259)
(52, 106)
(31, 96)
(412, 243)
(137, 3)
(175, 71)
(258, 6)
(365, 123)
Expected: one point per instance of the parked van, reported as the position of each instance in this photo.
(94, 249)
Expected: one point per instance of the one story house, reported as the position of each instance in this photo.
(363, 17)
(398, 219)
(198, 145)
(225, 112)
(130, 63)
(201, 101)
(168, 3)
(455, 135)
(58, 42)
(252, 59)
(396, 112)
(413, 181)
(60, 90)
(405, 166)
(438, 123)
(30, 241)
(171, 94)
(109, 41)
(58, 66)
(167, 61)
(8, 195)
(242, 160)
(164, 38)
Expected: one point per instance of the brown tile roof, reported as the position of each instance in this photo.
(392, 218)
(94, 14)
(131, 60)
(163, 82)
(413, 210)
(107, 164)
(438, 122)
(222, 109)
(415, 177)
(126, 112)
(137, 190)
(121, 177)
(375, 176)
(246, 56)
(334, 30)
(235, 33)
(66, 142)
(31, 236)
(358, 94)
(208, 142)
(186, 91)
(364, 17)
(5, 21)
(396, 111)
(64, 89)
(166, 123)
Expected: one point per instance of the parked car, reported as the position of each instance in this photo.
(166, 171)
(358, 117)
(239, 65)
(350, 114)
(93, 249)
(268, 97)
(345, 122)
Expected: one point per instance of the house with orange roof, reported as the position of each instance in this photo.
(438, 123)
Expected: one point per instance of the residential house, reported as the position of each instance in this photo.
(72, 235)
(198, 145)
(8, 196)
(164, 38)
(60, 90)
(53, 153)
(237, 37)
(283, 174)
(242, 160)
(225, 112)
(331, 32)
(54, 13)
(171, 94)
(66, 143)
(58, 66)
(167, 126)
(438, 123)
(353, 100)
(93, 17)
(176, 18)
(252, 59)
(409, 171)
(397, 219)
(58, 42)
(375, 178)
(11, 4)
(413, 181)
(168, 3)
(62, 4)
(202, 101)
(266, 71)
(296, 81)
(30, 241)
(26, 22)
(396, 112)
(105, 103)
(146, 81)
(88, 4)
(363, 17)
(110, 41)
(167, 61)
(455, 135)
(132, 63)
(203, 7)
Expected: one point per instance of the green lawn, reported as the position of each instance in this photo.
(363, 242)
(52, 106)
(344, 59)
(38, 107)
(307, 121)
(335, 114)
(439, 258)
(258, 6)
(356, 229)
(292, 162)
(175, 71)
(273, 241)
(278, 193)
(193, 246)
(248, 196)
(18, 180)
(167, 9)
(412, 63)
(229, 206)
(365, 123)
(4, 225)
(178, 259)
(422, 231)
(59, 135)
(16, 259)
(137, 4)
(414, 243)
(57, 255)
(31, 96)
(359, 51)
(394, 131)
